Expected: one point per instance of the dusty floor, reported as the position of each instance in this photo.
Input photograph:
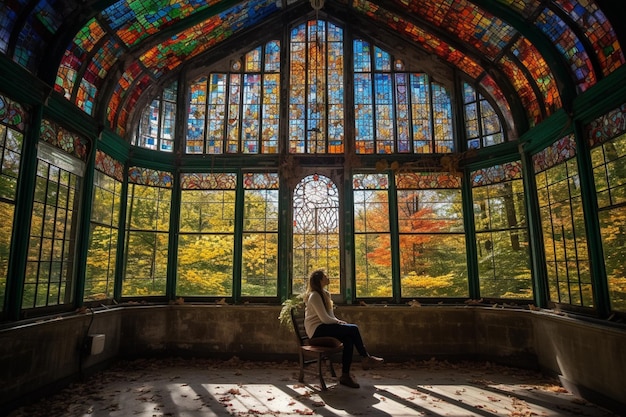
(176, 387)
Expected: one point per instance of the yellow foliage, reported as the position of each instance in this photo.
(413, 280)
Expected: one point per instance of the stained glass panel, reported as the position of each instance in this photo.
(569, 46)
(150, 177)
(109, 166)
(315, 231)
(592, 21)
(316, 88)
(542, 76)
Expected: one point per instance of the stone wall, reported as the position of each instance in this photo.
(41, 356)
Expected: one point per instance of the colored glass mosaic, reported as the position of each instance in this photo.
(208, 181)
(63, 139)
(133, 21)
(569, 46)
(109, 166)
(9, 11)
(558, 152)
(12, 113)
(427, 180)
(540, 71)
(75, 56)
(598, 29)
(482, 30)
(496, 174)
(427, 40)
(524, 90)
(316, 88)
(370, 182)
(39, 30)
(494, 90)
(525, 7)
(260, 180)
(607, 127)
(151, 177)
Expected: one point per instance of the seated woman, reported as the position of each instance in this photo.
(320, 321)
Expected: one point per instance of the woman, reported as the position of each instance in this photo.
(320, 321)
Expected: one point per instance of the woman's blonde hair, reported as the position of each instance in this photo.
(315, 285)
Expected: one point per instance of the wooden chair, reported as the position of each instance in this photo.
(314, 351)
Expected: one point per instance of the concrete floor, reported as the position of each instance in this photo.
(176, 387)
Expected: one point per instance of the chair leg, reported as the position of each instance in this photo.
(301, 377)
(320, 359)
(332, 369)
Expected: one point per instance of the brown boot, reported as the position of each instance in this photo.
(370, 362)
(348, 381)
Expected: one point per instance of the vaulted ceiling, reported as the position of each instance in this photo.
(104, 55)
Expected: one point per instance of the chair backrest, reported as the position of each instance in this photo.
(297, 319)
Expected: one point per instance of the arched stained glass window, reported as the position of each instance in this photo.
(388, 101)
(238, 111)
(316, 89)
(158, 122)
(315, 231)
(482, 124)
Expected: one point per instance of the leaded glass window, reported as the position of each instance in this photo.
(316, 89)
(431, 234)
(562, 222)
(237, 111)
(206, 237)
(608, 157)
(158, 122)
(501, 235)
(147, 232)
(396, 111)
(259, 276)
(49, 277)
(103, 231)
(372, 236)
(316, 231)
(12, 126)
(482, 123)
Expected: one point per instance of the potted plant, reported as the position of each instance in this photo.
(284, 317)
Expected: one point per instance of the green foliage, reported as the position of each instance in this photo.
(284, 317)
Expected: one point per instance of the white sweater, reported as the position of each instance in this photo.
(315, 314)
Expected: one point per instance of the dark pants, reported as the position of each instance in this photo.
(349, 335)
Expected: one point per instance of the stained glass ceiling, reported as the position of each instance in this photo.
(102, 55)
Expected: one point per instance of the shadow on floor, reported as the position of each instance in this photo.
(194, 388)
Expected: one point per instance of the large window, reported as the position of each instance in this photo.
(396, 111)
(237, 111)
(501, 235)
(49, 277)
(207, 235)
(316, 89)
(608, 157)
(372, 237)
(432, 237)
(259, 274)
(562, 222)
(147, 232)
(12, 126)
(103, 233)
